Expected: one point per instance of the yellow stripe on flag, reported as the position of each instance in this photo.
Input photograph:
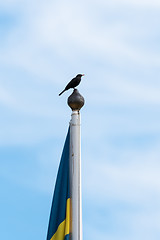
(64, 227)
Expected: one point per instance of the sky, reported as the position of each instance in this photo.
(43, 45)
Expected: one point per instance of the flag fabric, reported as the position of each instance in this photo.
(59, 222)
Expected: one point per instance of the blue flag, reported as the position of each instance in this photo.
(59, 222)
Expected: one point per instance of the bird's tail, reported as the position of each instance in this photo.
(62, 92)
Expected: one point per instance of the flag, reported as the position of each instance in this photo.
(59, 222)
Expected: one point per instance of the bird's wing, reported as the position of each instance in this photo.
(69, 85)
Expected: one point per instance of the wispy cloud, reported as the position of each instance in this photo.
(54, 22)
(6, 98)
(136, 3)
(132, 178)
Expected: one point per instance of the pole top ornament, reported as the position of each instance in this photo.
(76, 100)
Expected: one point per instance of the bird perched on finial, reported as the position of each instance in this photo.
(73, 83)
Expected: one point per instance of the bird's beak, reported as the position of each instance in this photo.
(83, 74)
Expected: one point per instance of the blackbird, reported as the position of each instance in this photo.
(73, 83)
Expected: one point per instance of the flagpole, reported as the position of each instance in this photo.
(76, 102)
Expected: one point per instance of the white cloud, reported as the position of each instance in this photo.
(99, 39)
(133, 178)
(136, 3)
(124, 194)
(53, 27)
(137, 92)
(6, 98)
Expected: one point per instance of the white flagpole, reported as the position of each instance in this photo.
(75, 101)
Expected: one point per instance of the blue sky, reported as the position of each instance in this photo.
(43, 45)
